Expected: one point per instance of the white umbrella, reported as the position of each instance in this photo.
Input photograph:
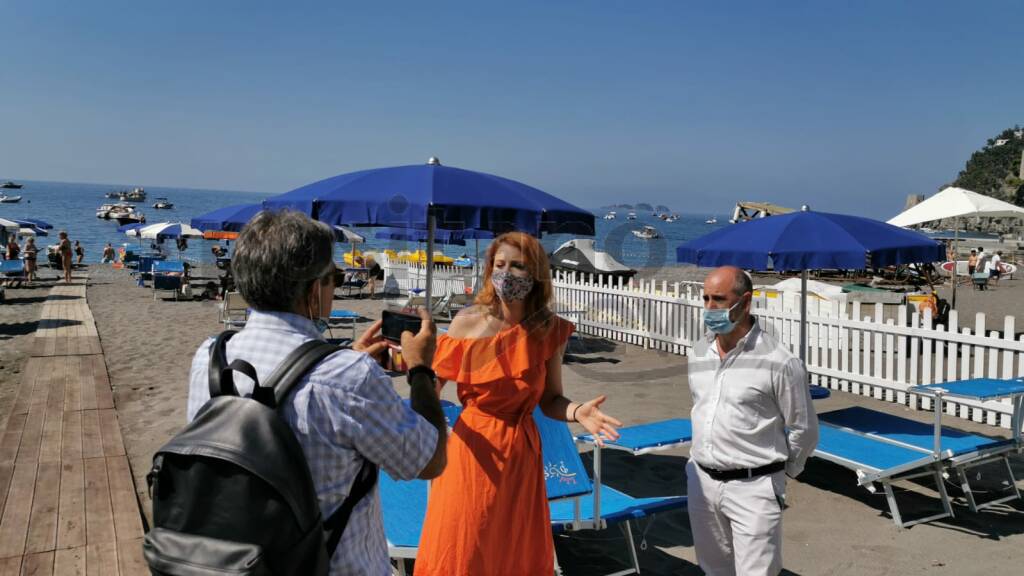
(165, 230)
(26, 231)
(956, 203)
(349, 236)
(9, 225)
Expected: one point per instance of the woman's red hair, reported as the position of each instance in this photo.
(536, 313)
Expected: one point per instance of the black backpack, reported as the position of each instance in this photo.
(232, 492)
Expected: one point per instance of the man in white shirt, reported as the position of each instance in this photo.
(995, 267)
(753, 424)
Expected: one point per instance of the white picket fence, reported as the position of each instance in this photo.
(850, 348)
(854, 348)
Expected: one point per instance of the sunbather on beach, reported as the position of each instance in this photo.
(345, 409)
(488, 513)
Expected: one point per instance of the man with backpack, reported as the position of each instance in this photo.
(246, 510)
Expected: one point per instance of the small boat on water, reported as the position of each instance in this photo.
(672, 218)
(11, 185)
(711, 220)
(130, 217)
(163, 204)
(610, 216)
(647, 233)
(631, 216)
(9, 199)
(133, 195)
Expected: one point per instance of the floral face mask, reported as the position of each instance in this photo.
(511, 287)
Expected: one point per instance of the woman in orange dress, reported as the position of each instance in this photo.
(488, 512)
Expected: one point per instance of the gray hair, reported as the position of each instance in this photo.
(277, 257)
(742, 283)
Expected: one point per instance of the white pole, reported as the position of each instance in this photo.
(803, 316)
(956, 255)
(431, 224)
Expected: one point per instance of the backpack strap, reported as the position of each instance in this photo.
(221, 381)
(288, 373)
(335, 524)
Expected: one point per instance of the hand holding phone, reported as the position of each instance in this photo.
(415, 333)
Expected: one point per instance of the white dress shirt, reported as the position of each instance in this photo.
(751, 408)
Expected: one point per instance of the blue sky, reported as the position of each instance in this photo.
(847, 108)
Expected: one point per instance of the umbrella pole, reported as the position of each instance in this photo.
(803, 317)
(431, 224)
(956, 254)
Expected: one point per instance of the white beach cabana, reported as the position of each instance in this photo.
(956, 203)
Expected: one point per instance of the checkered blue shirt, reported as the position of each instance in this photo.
(343, 410)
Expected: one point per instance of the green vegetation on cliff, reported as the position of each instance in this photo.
(995, 169)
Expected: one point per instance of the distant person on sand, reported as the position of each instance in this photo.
(64, 249)
(753, 425)
(375, 273)
(488, 512)
(108, 254)
(345, 411)
(13, 250)
(79, 252)
(30, 258)
(972, 262)
(995, 267)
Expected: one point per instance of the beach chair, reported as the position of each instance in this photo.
(876, 461)
(575, 502)
(234, 310)
(168, 276)
(959, 451)
(12, 272)
(341, 319)
(145, 269)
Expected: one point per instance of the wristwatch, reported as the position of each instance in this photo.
(420, 370)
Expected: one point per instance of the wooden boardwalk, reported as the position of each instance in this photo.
(66, 491)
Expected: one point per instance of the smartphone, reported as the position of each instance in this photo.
(394, 323)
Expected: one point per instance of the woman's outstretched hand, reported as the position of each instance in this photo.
(601, 425)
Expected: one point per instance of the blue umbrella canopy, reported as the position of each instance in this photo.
(459, 199)
(35, 223)
(807, 240)
(227, 219)
(454, 237)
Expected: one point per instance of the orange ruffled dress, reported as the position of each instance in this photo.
(488, 512)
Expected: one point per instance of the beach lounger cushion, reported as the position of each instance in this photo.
(910, 432)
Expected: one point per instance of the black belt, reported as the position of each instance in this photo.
(742, 473)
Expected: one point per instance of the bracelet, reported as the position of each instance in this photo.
(574, 413)
(420, 370)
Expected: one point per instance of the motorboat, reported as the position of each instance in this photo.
(11, 185)
(647, 233)
(672, 218)
(711, 220)
(631, 216)
(114, 194)
(610, 216)
(9, 199)
(130, 217)
(107, 211)
(133, 195)
(583, 257)
(163, 204)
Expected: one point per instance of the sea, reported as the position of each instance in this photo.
(72, 207)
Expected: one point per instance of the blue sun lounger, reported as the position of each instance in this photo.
(878, 461)
(575, 502)
(168, 276)
(959, 450)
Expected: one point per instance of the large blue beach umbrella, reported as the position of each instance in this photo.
(433, 196)
(228, 219)
(35, 223)
(807, 240)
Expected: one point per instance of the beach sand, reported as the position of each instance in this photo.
(832, 527)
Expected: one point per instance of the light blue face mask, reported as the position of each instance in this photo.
(717, 320)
